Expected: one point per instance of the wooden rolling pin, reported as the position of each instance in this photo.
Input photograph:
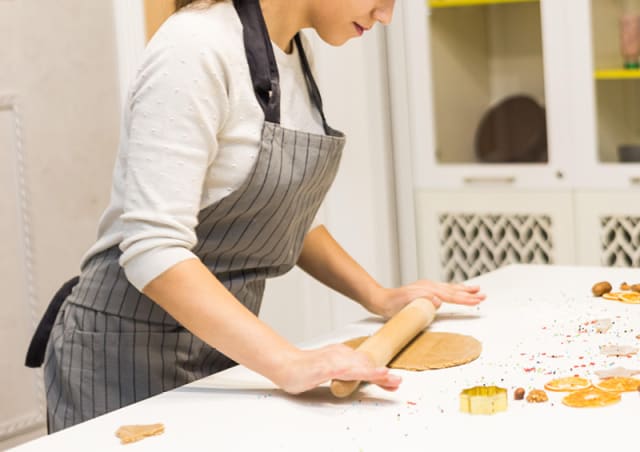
(394, 335)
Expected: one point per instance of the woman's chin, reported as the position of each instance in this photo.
(336, 41)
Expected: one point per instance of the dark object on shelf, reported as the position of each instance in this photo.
(629, 153)
(513, 131)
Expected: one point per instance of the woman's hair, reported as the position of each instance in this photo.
(202, 3)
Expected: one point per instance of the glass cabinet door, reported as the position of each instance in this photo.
(479, 92)
(616, 57)
(488, 81)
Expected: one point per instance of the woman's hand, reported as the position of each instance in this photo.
(306, 369)
(387, 302)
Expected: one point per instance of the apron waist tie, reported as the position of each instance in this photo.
(38, 345)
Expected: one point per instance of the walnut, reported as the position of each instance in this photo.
(635, 287)
(518, 394)
(537, 396)
(601, 288)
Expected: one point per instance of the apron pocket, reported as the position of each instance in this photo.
(103, 371)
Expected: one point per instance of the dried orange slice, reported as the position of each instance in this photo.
(619, 384)
(567, 384)
(591, 398)
(612, 296)
(629, 297)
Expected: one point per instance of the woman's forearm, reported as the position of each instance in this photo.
(324, 259)
(195, 298)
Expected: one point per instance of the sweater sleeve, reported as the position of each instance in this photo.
(176, 107)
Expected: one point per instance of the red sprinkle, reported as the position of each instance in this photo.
(410, 402)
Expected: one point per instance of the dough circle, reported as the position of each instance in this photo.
(432, 350)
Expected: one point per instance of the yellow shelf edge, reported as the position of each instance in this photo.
(617, 74)
(457, 3)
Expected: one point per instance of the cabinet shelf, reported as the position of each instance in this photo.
(617, 74)
(454, 3)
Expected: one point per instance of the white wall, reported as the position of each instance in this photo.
(58, 133)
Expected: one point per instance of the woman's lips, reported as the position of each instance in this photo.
(359, 28)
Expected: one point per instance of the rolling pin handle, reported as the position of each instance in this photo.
(341, 388)
(392, 337)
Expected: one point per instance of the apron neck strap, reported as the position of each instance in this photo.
(262, 62)
(260, 57)
(314, 92)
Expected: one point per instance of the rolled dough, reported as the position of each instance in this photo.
(432, 350)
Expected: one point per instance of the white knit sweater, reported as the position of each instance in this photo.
(191, 133)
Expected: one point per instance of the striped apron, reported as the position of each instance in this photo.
(110, 345)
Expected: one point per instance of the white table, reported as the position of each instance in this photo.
(534, 326)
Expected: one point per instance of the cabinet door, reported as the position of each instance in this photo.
(483, 97)
(607, 228)
(465, 233)
(605, 92)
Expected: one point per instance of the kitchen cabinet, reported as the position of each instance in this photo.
(605, 97)
(510, 117)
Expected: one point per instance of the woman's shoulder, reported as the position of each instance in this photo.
(215, 26)
(195, 40)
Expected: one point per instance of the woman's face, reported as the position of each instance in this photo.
(337, 21)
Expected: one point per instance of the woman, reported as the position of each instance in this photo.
(225, 158)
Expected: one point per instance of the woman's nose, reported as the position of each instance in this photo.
(384, 12)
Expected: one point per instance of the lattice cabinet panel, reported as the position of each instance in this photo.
(474, 243)
(462, 234)
(608, 227)
(620, 240)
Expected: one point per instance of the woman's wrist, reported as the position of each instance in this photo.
(374, 301)
(296, 372)
(282, 366)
